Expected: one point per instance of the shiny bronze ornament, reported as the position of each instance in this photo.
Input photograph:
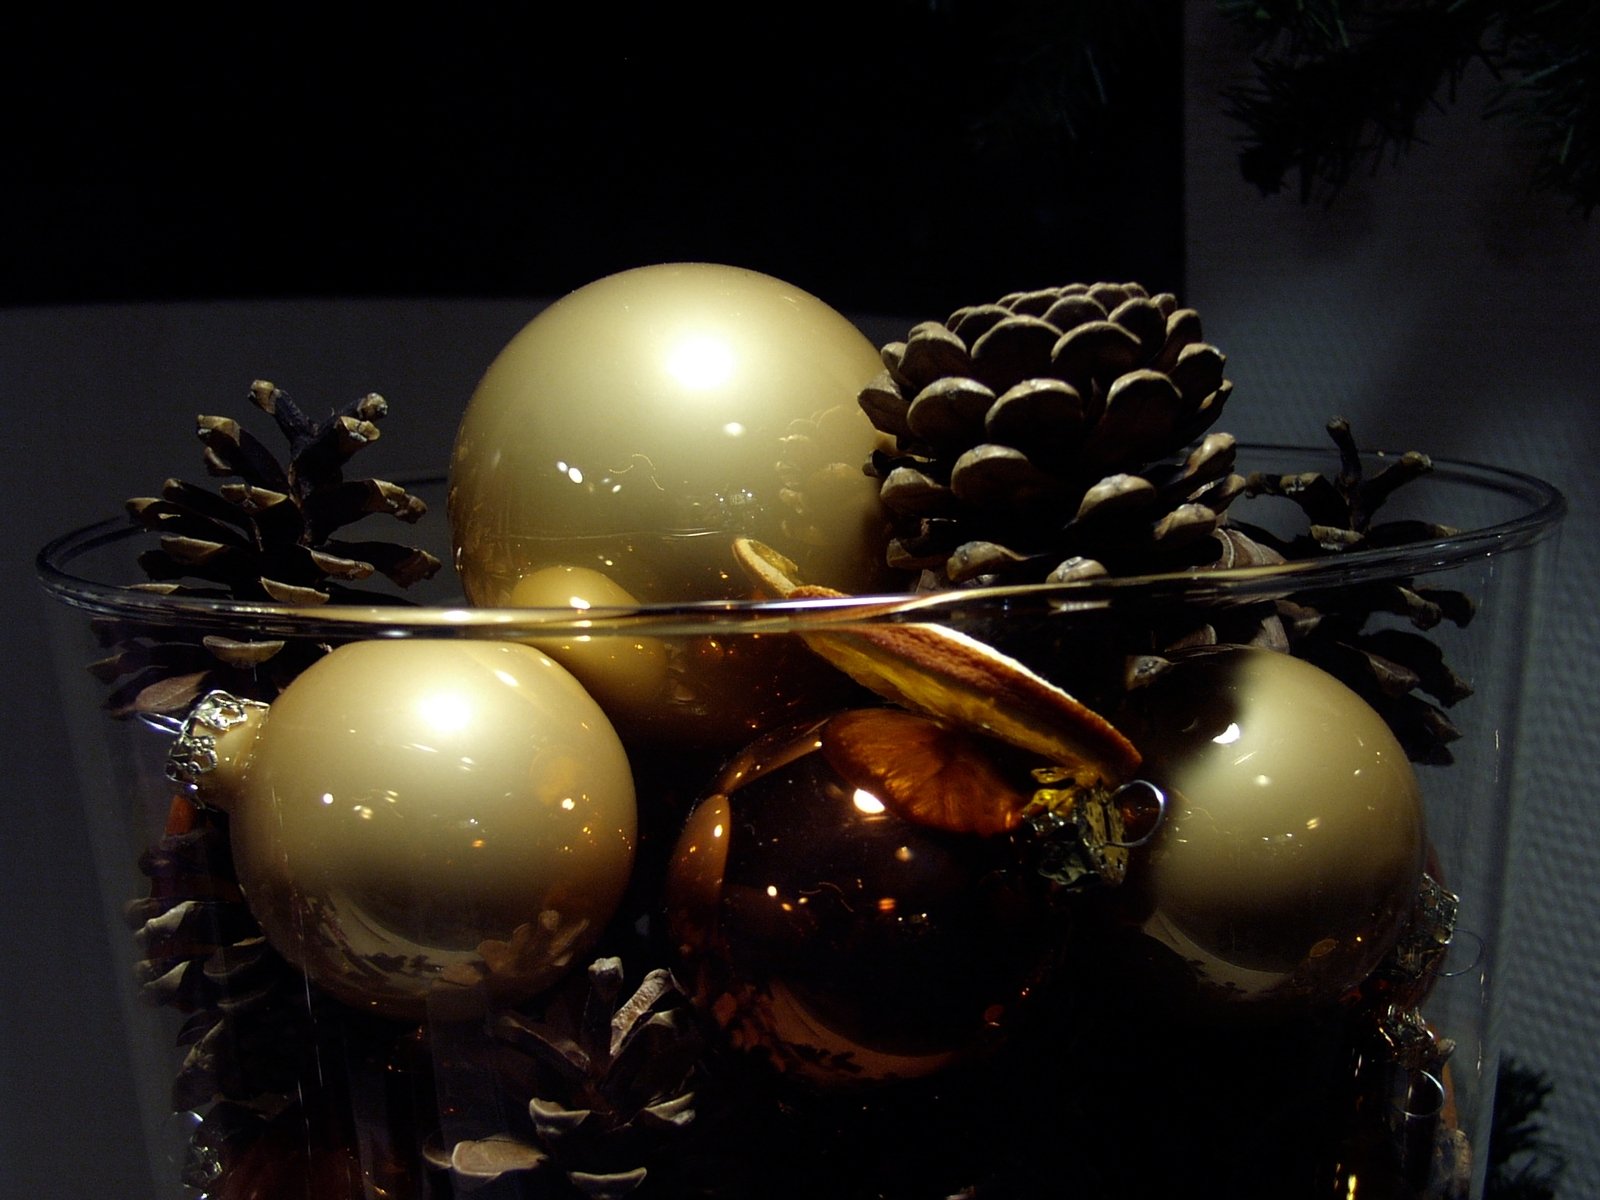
(835, 940)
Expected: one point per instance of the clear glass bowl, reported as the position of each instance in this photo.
(859, 1003)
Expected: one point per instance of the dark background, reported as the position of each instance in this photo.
(894, 157)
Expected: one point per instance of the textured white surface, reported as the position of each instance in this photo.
(1441, 307)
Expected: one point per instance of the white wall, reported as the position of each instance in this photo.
(1442, 307)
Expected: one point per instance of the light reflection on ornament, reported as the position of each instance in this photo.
(448, 712)
(701, 362)
(867, 803)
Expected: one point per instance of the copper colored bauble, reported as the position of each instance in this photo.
(1293, 846)
(841, 943)
(640, 423)
(418, 824)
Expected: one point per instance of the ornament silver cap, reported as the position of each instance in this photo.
(195, 754)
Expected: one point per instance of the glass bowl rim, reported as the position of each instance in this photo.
(1542, 508)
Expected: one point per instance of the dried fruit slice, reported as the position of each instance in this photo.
(922, 770)
(949, 675)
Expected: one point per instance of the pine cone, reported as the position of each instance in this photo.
(608, 1082)
(249, 1024)
(203, 953)
(1037, 438)
(268, 537)
(1394, 670)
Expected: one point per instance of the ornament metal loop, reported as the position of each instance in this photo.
(1462, 955)
(1428, 933)
(162, 723)
(194, 754)
(1409, 1041)
(1119, 796)
(1417, 1094)
(1080, 831)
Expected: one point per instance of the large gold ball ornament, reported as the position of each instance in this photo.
(420, 824)
(639, 424)
(1294, 841)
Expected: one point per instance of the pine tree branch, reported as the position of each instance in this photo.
(1342, 85)
(1523, 1165)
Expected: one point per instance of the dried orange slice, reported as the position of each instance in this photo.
(922, 771)
(950, 675)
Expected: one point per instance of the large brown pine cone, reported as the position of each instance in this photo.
(1038, 437)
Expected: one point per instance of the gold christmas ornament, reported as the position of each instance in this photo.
(418, 825)
(638, 424)
(627, 674)
(1294, 842)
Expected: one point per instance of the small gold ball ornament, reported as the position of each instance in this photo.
(640, 423)
(418, 824)
(627, 673)
(1294, 841)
